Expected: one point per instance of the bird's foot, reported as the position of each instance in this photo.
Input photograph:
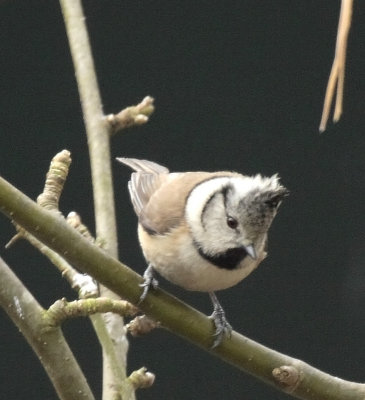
(149, 281)
(222, 326)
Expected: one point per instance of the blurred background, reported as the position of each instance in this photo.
(238, 85)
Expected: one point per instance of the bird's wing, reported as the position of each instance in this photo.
(159, 197)
(145, 181)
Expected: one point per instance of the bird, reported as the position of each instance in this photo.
(203, 231)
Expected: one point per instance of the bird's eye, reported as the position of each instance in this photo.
(232, 222)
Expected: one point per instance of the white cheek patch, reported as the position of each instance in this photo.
(198, 198)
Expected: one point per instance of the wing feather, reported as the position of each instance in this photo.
(147, 179)
(158, 197)
(144, 165)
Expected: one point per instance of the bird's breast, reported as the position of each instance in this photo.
(177, 259)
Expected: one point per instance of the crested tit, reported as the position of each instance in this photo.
(203, 231)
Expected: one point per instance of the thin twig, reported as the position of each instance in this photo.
(132, 116)
(74, 220)
(141, 379)
(55, 180)
(62, 310)
(337, 75)
(49, 199)
(83, 284)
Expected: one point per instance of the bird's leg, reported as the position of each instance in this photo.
(149, 281)
(222, 326)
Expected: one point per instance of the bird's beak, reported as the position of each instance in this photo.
(251, 251)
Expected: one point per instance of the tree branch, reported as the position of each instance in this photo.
(337, 75)
(132, 116)
(49, 344)
(173, 314)
(55, 180)
(62, 310)
(79, 282)
(98, 132)
(49, 199)
(97, 128)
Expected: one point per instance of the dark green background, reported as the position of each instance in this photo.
(238, 85)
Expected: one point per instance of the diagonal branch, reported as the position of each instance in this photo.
(285, 373)
(49, 344)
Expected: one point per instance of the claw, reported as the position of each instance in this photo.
(222, 327)
(149, 281)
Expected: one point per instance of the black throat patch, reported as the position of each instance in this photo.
(230, 259)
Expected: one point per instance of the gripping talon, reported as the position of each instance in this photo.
(149, 281)
(222, 327)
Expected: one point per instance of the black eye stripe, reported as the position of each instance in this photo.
(206, 205)
(224, 191)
